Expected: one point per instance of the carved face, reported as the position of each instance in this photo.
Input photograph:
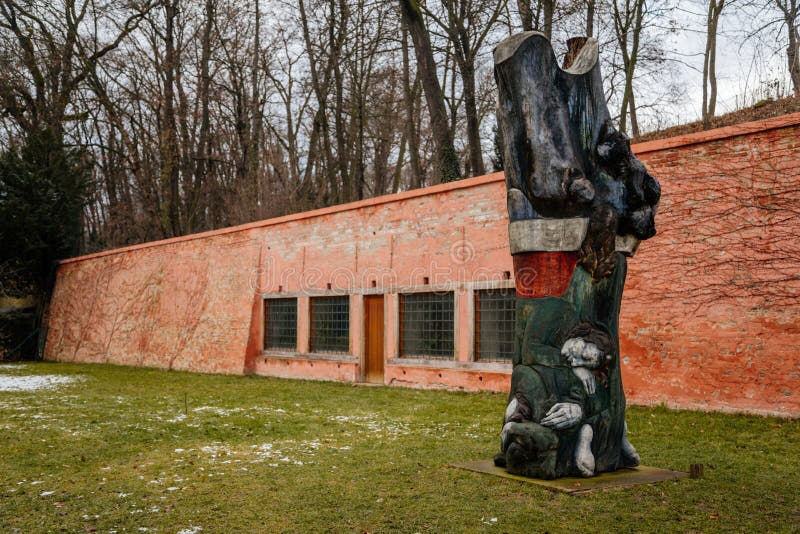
(634, 193)
(579, 353)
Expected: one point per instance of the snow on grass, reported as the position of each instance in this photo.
(288, 452)
(373, 424)
(12, 366)
(35, 382)
(224, 412)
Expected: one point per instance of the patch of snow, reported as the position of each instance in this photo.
(35, 382)
(217, 410)
(12, 366)
(190, 530)
(46, 493)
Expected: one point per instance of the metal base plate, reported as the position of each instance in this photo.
(577, 486)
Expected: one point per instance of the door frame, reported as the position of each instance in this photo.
(365, 336)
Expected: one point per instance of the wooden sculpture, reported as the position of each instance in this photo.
(579, 202)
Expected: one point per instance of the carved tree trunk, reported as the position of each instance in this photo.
(578, 202)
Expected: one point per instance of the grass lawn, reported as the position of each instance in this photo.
(133, 450)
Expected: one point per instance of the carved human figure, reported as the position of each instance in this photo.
(579, 202)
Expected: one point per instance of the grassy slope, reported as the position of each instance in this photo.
(268, 455)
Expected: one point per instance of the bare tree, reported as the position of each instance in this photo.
(790, 9)
(629, 17)
(591, 6)
(467, 24)
(715, 8)
(411, 98)
(446, 166)
(539, 18)
(55, 56)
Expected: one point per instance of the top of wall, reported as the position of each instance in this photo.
(707, 136)
(640, 148)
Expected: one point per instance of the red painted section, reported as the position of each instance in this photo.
(709, 319)
(543, 274)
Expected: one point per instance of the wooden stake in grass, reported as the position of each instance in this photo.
(696, 471)
(185, 403)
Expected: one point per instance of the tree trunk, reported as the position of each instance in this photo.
(409, 96)
(548, 9)
(790, 9)
(709, 62)
(253, 175)
(473, 124)
(525, 14)
(321, 125)
(446, 165)
(560, 150)
(169, 138)
(628, 23)
(793, 56)
(196, 217)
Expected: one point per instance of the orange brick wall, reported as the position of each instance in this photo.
(709, 316)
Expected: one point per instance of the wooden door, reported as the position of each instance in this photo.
(373, 339)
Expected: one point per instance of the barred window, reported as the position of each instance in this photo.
(280, 330)
(426, 325)
(330, 324)
(495, 321)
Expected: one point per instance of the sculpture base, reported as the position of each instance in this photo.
(576, 486)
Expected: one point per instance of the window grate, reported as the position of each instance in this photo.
(330, 324)
(495, 323)
(426, 329)
(280, 331)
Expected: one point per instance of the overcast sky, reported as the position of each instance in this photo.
(745, 67)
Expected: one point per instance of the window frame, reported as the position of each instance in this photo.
(265, 337)
(311, 304)
(476, 325)
(401, 323)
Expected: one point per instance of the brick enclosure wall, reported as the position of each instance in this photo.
(709, 318)
(195, 303)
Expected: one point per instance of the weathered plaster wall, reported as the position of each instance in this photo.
(183, 305)
(711, 313)
(195, 302)
(709, 316)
